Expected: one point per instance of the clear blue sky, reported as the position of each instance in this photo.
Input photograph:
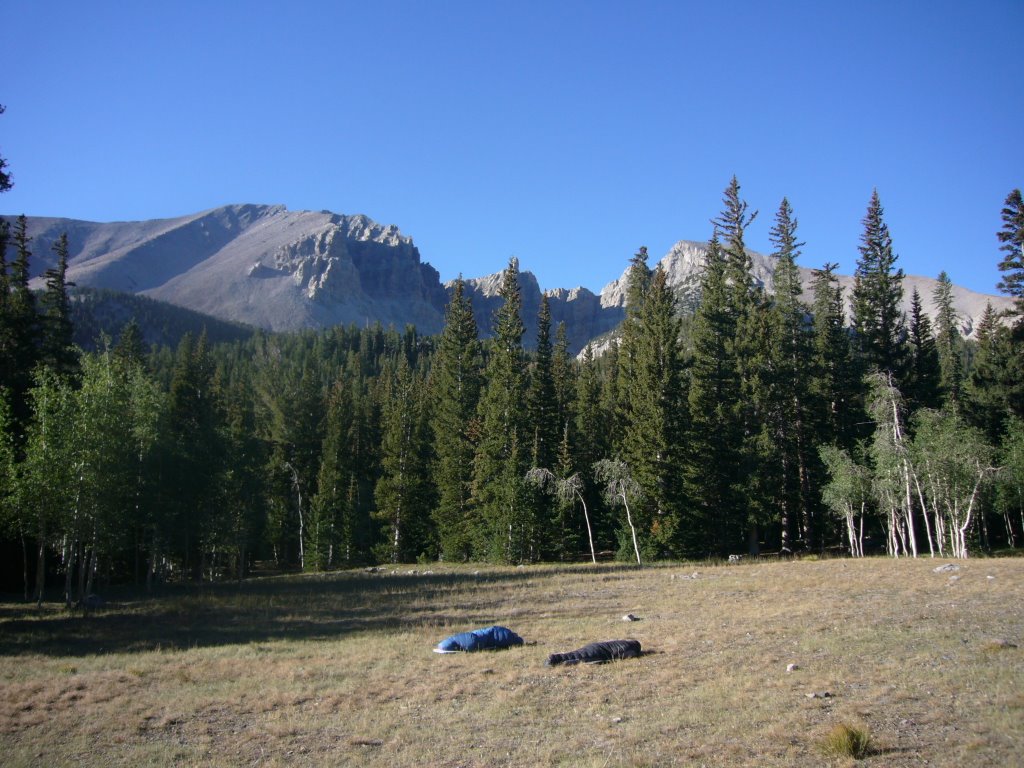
(567, 134)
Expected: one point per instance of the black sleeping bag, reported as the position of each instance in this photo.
(597, 653)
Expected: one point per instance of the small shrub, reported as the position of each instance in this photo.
(847, 741)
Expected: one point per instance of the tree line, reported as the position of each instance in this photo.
(750, 422)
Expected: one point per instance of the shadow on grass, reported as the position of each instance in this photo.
(262, 610)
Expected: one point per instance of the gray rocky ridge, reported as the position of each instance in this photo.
(285, 270)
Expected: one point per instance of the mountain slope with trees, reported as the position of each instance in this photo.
(749, 421)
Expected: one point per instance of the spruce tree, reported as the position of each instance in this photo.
(638, 278)
(835, 379)
(5, 176)
(988, 385)
(877, 295)
(783, 394)
(948, 342)
(654, 429)
(924, 375)
(545, 429)
(22, 326)
(193, 452)
(542, 399)
(1012, 238)
(563, 371)
(591, 443)
(507, 528)
(57, 349)
(713, 474)
(404, 492)
(333, 540)
(456, 381)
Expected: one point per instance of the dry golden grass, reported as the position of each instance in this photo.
(338, 670)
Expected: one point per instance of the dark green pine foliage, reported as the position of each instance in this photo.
(507, 529)
(292, 414)
(949, 344)
(923, 378)
(1012, 283)
(20, 330)
(194, 452)
(332, 539)
(241, 486)
(542, 398)
(456, 382)
(545, 429)
(563, 371)
(364, 444)
(990, 383)
(836, 388)
(655, 426)
(783, 395)
(5, 176)
(404, 495)
(57, 349)
(740, 308)
(638, 278)
(130, 347)
(717, 433)
(749, 307)
(877, 297)
(6, 337)
(1012, 238)
(611, 397)
(591, 439)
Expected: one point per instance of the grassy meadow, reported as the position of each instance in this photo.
(338, 669)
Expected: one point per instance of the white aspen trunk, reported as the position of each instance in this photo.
(397, 537)
(908, 509)
(302, 522)
(629, 519)
(40, 569)
(69, 564)
(924, 515)
(590, 536)
(907, 502)
(860, 533)
(851, 533)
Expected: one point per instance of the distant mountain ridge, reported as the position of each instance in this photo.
(281, 270)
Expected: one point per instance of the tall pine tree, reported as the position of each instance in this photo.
(507, 530)
(877, 296)
(948, 342)
(1012, 238)
(923, 372)
(654, 430)
(456, 382)
(57, 349)
(713, 474)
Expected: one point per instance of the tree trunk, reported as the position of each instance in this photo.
(40, 572)
(629, 519)
(590, 536)
(302, 533)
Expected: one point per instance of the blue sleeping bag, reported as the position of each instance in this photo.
(486, 639)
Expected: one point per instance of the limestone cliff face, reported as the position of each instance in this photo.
(581, 310)
(262, 265)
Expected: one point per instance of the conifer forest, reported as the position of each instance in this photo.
(748, 423)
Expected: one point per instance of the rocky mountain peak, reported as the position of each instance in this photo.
(283, 270)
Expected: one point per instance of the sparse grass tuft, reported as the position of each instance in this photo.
(847, 741)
